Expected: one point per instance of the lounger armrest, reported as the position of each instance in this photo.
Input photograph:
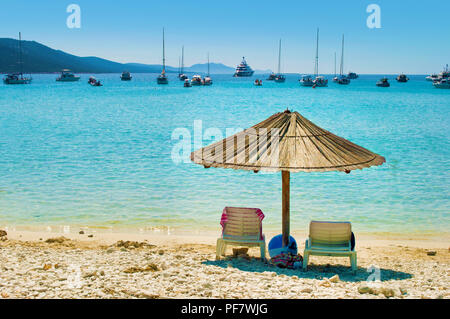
(307, 244)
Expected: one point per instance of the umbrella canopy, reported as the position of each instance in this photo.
(286, 142)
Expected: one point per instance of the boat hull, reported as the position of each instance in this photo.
(441, 86)
(75, 79)
(19, 81)
(162, 81)
(306, 83)
(243, 74)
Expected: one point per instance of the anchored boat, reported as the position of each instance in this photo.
(94, 82)
(162, 78)
(67, 76)
(18, 78)
(126, 76)
(196, 80)
(181, 74)
(402, 78)
(383, 83)
(279, 78)
(342, 79)
(207, 80)
(442, 83)
(243, 69)
(352, 75)
(306, 80)
(319, 81)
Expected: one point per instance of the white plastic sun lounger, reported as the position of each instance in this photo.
(241, 227)
(329, 239)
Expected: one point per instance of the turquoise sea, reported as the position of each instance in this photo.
(76, 155)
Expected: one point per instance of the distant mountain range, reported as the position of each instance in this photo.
(38, 58)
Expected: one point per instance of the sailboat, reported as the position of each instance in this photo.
(18, 78)
(342, 79)
(181, 74)
(279, 78)
(319, 81)
(162, 78)
(207, 80)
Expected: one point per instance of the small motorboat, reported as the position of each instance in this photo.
(320, 81)
(280, 78)
(432, 77)
(352, 75)
(442, 83)
(383, 83)
(271, 77)
(197, 80)
(94, 82)
(126, 76)
(67, 76)
(16, 78)
(306, 80)
(207, 81)
(187, 83)
(402, 78)
(258, 82)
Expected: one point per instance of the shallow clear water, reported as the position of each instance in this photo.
(71, 154)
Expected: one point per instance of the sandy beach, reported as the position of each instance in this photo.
(126, 265)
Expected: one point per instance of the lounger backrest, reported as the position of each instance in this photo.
(330, 234)
(242, 224)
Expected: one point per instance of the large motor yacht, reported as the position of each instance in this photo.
(243, 69)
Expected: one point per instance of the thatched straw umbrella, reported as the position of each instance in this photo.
(286, 142)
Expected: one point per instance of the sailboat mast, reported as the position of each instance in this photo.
(182, 59)
(316, 66)
(208, 64)
(342, 57)
(164, 54)
(20, 53)
(334, 64)
(279, 58)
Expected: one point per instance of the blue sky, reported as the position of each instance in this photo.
(413, 38)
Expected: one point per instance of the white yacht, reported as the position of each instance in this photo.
(432, 77)
(243, 69)
(437, 77)
(67, 76)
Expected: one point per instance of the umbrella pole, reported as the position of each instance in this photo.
(285, 177)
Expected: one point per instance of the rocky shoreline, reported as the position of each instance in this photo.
(66, 268)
